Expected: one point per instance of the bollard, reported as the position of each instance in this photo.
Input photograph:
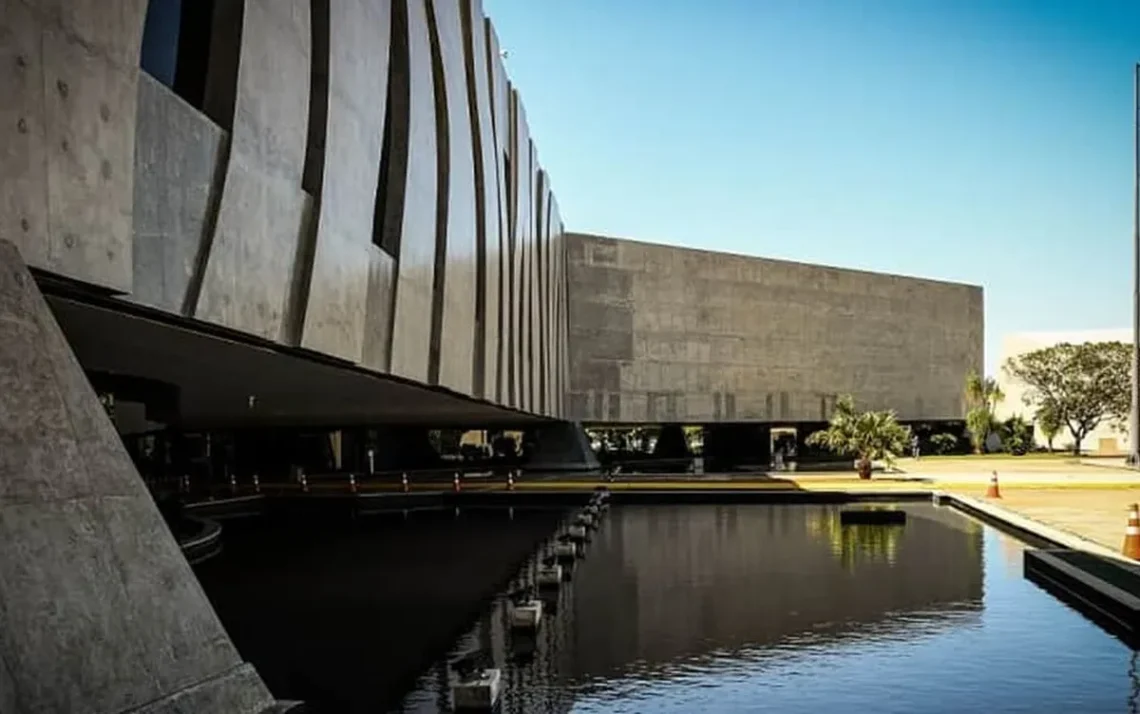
(233, 483)
(371, 461)
(510, 480)
(352, 482)
(455, 483)
(404, 481)
(256, 484)
(304, 483)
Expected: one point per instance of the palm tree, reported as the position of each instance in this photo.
(867, 436)
(982, 397)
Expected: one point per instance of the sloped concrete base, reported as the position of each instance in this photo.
(561, 446)
(99, 611)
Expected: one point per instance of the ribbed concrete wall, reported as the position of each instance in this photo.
(279, 210)
(663, 334)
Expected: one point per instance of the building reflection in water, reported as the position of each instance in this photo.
(666, 588)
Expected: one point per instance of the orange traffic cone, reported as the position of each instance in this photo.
(993, 491)
(510, 480)
(404, 482)
(455, 482)
(1131, 547)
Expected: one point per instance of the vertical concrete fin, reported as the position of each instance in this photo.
(488, 249)
(312, 173)
(500, 126)
(350, 276)
(411, 332)
(249, 270)
(86, 553)
(456, 255)
(540, 208)
(443, 186)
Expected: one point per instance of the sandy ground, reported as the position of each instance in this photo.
(1097, 514)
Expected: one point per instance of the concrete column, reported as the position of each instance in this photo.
(560, 446)
(99, 611)
(408, 448)
(730, 445)
(671, 443)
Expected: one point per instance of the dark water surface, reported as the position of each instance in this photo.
(749, 608)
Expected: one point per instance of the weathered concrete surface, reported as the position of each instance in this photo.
(456, 338)
(500, 120)
(177, 155)
(411, 328)
(99, 611)
(248, 275)
(522, 226)
(663, 334)
(342, 272)
(239, 213)
(68, 85)
(488, 197)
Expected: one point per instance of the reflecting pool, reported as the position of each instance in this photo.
(757, 608)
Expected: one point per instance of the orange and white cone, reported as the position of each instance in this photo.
(993, 491)
(455, 483)
(404, 482)
(1131, 547)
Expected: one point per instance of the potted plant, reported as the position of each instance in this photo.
(867, 436)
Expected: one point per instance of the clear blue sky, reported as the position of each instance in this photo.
(982, 141)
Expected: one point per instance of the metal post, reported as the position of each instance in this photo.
(1134, 420)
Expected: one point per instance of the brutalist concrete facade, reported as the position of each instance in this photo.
(662, 334)
(355, 179)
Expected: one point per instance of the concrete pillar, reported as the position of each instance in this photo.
(405, 448)
(674, 446)
(728, 446)
(99, 611)
(671, 443)
(560, 446)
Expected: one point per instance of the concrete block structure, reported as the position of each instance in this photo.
(660, 334)
(1107, 439)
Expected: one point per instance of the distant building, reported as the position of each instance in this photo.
(1106, 439)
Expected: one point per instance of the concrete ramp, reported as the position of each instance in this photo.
(99, 611)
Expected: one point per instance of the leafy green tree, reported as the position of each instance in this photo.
(982, 397)
(1017, 435)
(1084, 385)
(944, 443)
(865, 435)
(1049, 422)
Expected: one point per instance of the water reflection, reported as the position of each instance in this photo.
(700, 596)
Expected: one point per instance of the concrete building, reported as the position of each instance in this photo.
(1107, 439)
(331, 214)
(664, 334)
